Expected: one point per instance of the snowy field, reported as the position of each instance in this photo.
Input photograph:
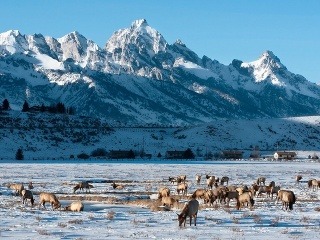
(133, 213)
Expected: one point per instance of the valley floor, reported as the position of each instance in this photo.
(133, 213)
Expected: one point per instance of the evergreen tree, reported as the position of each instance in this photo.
(19, 154)
(60, 107)
(131, 154)
(5, 105)
(42, 108)
(188, 154)
(25, 107)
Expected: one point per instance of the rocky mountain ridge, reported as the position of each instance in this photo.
(140, 78)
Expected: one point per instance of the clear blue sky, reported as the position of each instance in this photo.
(222, 30)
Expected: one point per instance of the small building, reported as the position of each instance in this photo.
(232, 154)
(284, 155)
(121, 154)
(175, 154)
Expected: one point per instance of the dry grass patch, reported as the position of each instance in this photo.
(110, 215)
(43, 232)
(62, 225)
(75, 221)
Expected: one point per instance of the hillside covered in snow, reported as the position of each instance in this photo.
(58, 136)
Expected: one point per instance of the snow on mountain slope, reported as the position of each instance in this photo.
(72, 135)
(139, 77)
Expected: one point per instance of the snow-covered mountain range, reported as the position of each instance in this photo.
(139, 77)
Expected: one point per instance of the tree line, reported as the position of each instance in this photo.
(53, 108)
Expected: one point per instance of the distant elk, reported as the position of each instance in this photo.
(83, 185)
(261, 180)
(163, 192)
(27, 194)
(117, 186)
(224, 179)
(298, 178)
(198, 179)
(17, 187)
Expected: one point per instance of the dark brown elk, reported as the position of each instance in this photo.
(224, 179)
(190, 210)
(30, 186)
(272, 184)
(181, 178)
(27, 194)
(172, 180)
(83, 185)
(211, 182)
(264, 189)
(274, 190)
(261, 180)
(231, 195)
(298, 178)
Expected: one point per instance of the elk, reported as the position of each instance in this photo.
(224, 179)
(82, 185)
(211, 181)
(163, 192)
(17, 187)
(117, 186)
(51, 198)
(261, 180)
(287, 197)
(27, 194)
(198, 179)
(169, 201)
(245, 198)
(75, 207)
(190, 210)
(183, 188)
(199, 193)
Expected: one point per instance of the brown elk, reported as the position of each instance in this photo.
(247, 198)
(287, 197)
(51, 198)
(182, 188)
(198, 179)
(163, 192)
(190, 210)
(17, 187)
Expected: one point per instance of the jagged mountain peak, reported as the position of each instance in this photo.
(134, 47)
(179, 42)
(12, 41)
(139, 23)
(269, 60)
